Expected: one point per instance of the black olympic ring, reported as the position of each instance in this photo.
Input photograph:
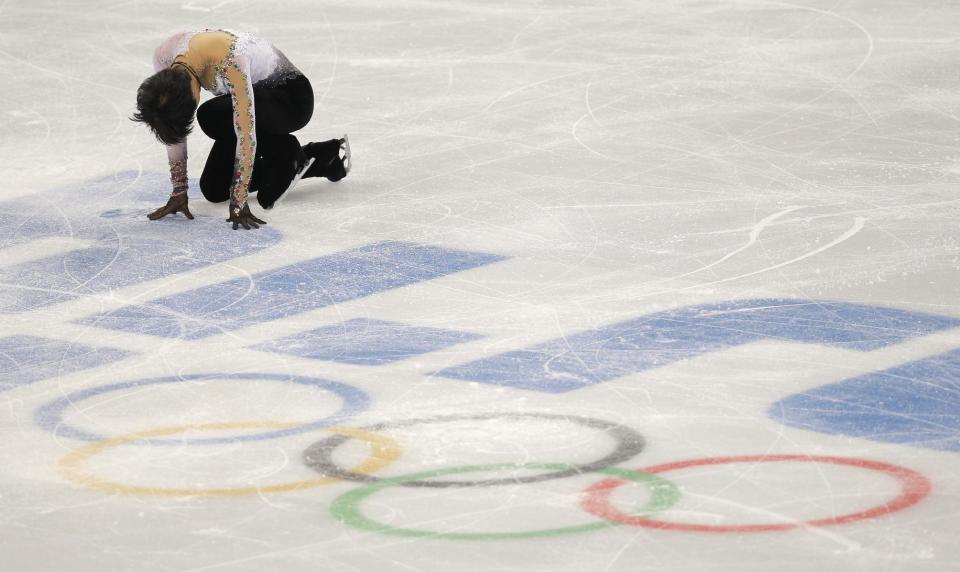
(319, 455)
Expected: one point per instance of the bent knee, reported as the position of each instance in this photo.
(215, 189)
(215, 118)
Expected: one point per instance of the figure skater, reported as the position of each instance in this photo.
(261, 98)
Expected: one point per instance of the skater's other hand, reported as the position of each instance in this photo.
(177, 203)
(243, 217)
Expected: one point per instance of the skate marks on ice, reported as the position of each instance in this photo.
(73, 243)
(577, 493)
(52, 415)
(362, 341)
(29, 359)
(913, 404)
(555, 367)
(591, 357)
(290, 290)
(113, 248)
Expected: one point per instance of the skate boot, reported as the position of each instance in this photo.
(298, 168)
(332, 159)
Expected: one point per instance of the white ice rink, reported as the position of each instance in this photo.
(613, 286)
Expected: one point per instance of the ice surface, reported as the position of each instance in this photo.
(719, 238)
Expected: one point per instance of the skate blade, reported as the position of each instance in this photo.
(293, 183)
(347, 159)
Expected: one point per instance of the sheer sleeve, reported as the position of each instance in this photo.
(177, 159)
(235, 71)
(159, 58)
(177, 153)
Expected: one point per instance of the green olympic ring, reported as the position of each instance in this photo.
(346, 507)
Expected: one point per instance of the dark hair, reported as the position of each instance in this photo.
(165, 102)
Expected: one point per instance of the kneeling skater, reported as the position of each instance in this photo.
(261, 98)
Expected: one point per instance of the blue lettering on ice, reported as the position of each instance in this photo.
(27, 359)
(913, 404)
(290, 290)
(367, 342)
(595, 356)
(125, 248)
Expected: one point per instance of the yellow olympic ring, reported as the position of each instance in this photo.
(383, 452)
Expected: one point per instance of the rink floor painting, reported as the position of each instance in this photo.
(912, 404)
(632, 286)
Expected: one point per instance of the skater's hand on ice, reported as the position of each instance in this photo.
(177, 203)
(243, 217)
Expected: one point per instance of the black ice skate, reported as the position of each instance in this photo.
(300, 168)
(332, 159)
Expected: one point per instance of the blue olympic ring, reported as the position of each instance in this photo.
(50, 415)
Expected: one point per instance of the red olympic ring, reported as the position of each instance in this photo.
(914, 487)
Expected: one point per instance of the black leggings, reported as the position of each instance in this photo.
(280, 110)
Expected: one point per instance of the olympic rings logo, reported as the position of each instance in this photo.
(383, 451)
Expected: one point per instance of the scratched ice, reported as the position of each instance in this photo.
(613, 286)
